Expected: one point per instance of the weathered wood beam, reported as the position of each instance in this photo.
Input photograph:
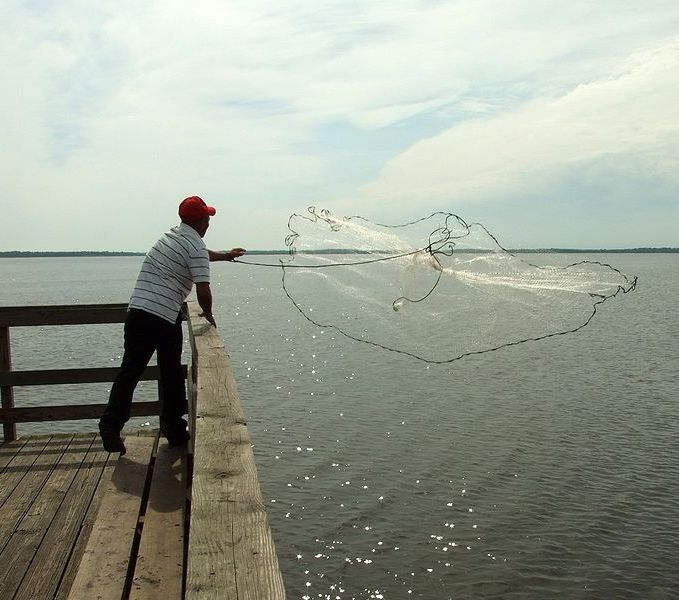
(6, 393)
(231, 550)
(105, 566)
(77, 314)
(160, 559)
(70, 412)
(50, 568)
(64, 376)
(24, 542)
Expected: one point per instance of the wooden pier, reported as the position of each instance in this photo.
(159, 522)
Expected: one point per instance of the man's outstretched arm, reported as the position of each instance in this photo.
(230, 255)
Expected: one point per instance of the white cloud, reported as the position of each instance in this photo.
(632, 112)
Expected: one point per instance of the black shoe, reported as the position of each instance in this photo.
(112, 440)
(175, 430)
(178, 438)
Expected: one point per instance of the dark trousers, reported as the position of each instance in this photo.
(144, 334)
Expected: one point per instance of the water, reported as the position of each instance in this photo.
(547, 470)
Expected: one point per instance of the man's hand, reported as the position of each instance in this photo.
(236, 253)
(232, 254)
(209, 318)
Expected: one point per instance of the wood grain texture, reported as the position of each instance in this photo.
(64, 376)
(160, 559)
(92, 510)
(102, 572)
(24, 542)
(33, 472)
(70, 412)
(71, 314)
(231, 550)
(10, 450)
(58, 546)
(20, 456)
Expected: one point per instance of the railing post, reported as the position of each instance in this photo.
(191, 376)
(6, 392)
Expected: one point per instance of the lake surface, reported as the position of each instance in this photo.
(545, 470)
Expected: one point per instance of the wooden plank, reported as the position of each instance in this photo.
(19, 501)
(231, 550)
(252, 560)
(83, 536)
(64, 376)
(19, 455)
(160, 560)
(257, 574)
(102, 573)
(20, 550)
(16, 470)
(72, 412)
(9, 431)
(72, 314)
(8, 451)
(51, 560)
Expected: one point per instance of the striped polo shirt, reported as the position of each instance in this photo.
(177, 261)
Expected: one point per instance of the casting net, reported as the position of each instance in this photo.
(437, 288)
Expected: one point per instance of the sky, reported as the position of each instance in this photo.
(553, 124)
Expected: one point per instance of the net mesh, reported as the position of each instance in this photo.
(436, 289)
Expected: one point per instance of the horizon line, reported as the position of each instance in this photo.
(564, 250)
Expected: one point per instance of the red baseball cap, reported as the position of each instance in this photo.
(194, 208)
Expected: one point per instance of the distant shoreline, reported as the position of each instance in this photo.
(92, 253)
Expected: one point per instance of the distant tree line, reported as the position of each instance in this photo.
(29, 254)
(591, 250)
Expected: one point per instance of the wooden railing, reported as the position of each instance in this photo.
(231, 553)
(26, 316)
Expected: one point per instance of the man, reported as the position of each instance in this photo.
(153, 323)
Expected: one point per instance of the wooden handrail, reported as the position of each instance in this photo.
(236, 558)
(69, 314)
(64, 376)
(71, 412)
(76, 314)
